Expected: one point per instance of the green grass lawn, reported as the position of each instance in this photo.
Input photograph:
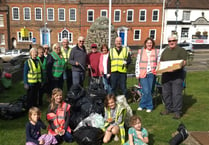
(195, 113)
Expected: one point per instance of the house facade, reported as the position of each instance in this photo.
(39, 22)
(189, 19)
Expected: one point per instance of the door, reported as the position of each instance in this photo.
(122, 35)
(45, 36)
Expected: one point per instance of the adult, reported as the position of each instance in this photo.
(32, 78)
(66, 55)
(46, 50)
(43, 86)
(78, 58)
(172, 82)
(118, 61)
(93, 63)
(103, 68)
(145, 69)
(55, 67)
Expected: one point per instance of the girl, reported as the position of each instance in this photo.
(136, 134)
(103, 68)
(146, 64)
(114, 119)
(58, 117)
(33, 127)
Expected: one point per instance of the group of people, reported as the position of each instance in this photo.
(43, 73)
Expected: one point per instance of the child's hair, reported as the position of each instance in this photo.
(54, 92)
(133, 120)
(107, 98)
(33, 110)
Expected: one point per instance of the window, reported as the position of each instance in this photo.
(25, 39)
(65, 34)
(185, 32)
(27, 13)
(2, 39)
(15, 13)
(1, 20)
(152, 34)
(137, 34)
(103, 13)
(38, 14)
(155, 15)
(61, 14)
(186, 15)
(142, 15)
(117, 15)
(130, 14)
(90, 16)
(50, 14)
(72, 14)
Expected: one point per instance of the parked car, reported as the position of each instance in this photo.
(10, 54)
(187, 46)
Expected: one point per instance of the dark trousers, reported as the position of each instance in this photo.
(69, 79)
(118, 79)
(67, 137)
(32, 95)
(172, 95)
(56, 83)
(78, 77)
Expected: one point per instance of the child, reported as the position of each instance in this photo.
(114, 119)
(33, 127)
(58, 117)
(136, 134)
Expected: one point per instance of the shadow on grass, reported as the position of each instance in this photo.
(188, 101)
(151, 139)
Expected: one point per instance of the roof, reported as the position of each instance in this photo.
(188, 4)
(123, 1)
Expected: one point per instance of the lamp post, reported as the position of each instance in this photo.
(176, 13)
(109, 34)
(162, 26)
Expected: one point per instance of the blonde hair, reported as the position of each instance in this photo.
(54, 46)
(54, 92)
(32, 111)
(33, 49)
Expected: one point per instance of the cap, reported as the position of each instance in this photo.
(94, 45)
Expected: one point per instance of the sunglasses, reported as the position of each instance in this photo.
(81, 41)
(171, 40)
(46, 48)
(93, 47)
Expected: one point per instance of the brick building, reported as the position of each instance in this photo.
(39, 22)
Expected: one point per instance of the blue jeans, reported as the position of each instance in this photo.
(118, 79)
(67, 137)
(147, 85)
(78, 77)
(106, 82)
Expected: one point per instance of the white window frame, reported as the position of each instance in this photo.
(36, 14)
(150, 33)
(71, 14)
(158, 11)
(18, 13)
(59, 14)
(135, 34)
(69, 37)
(145, 16)
(117, 10)
(90, 10)
(183, 33)
(29, 13)
(1, 20)
(20, 39)
(186, 15)
(48, 14)
(101, 11)
(132, 17)
(2, 39)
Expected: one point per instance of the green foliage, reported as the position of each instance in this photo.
(195, 114)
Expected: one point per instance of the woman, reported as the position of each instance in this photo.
(55, 67)
(103, 68)
(146, 64)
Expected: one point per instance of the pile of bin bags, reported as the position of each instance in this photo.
(86, 115)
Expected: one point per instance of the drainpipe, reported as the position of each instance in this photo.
(8, 28)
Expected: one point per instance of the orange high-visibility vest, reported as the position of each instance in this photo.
(58, 118)
(144, 61)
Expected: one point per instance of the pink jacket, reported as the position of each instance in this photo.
(101, 68)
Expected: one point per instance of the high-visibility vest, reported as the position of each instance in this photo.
(117, 61)
(58, 119)
(66, 56)
(119, 110)
(144, 61)
(34, 74)
(43, 66)
(58, 65)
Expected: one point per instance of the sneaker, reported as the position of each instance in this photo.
(139, 109)
(176, 116)
(148, 110)
(165, 112)
(116, 138)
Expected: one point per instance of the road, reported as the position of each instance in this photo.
(200, 61)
